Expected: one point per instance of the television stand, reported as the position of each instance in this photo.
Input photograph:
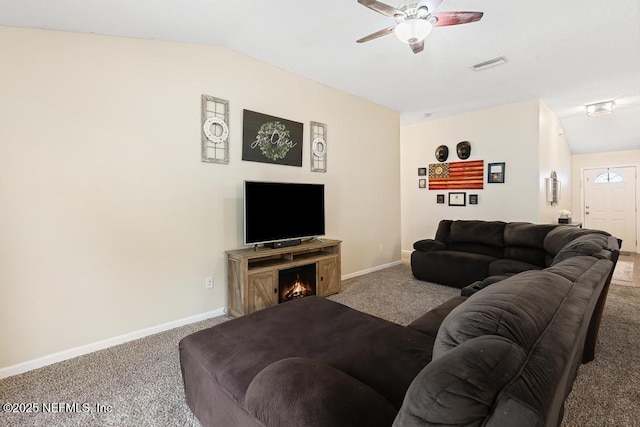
(252, 273)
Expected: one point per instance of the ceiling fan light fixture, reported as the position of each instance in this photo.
(599, 109)
(412, 30)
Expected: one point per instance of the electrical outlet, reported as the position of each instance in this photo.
(380, 248)
(208, 283)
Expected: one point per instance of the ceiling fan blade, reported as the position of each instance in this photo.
(456, 18)
(417, 47)
(375, 35)
(379, 7)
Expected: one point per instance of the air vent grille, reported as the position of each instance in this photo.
(490, 63)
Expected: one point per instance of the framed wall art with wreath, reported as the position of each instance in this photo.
(269, 139)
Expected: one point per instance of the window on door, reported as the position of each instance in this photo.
(607, 178)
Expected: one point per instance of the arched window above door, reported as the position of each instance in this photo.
(608, 177)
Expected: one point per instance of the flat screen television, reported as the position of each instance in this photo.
(282, 212)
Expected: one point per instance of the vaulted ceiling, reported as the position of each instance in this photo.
(568, 53)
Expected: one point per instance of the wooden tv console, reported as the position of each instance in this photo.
(253, 273)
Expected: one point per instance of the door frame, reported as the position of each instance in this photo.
(582, 196)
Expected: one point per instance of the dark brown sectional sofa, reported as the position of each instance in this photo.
(506, 355)
(463, 252)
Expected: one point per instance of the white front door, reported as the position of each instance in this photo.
(610, 203)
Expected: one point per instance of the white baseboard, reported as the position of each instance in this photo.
(110, 342)
(370, 270)
(101, 345)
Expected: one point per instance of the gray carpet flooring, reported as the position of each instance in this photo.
(139, 383)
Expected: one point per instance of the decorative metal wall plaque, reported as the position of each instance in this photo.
(442, 153)
(215, 130)
(463, 149)
(318, 147)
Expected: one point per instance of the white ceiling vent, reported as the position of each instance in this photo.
(490, 63)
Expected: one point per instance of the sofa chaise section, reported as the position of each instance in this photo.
(220, 364)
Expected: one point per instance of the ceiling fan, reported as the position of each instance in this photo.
(415, 19)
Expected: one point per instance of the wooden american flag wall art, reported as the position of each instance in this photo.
(457, 175)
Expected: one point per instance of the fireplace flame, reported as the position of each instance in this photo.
(297, 290)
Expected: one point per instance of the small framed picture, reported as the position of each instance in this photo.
(495, 173)
(440, 198)
(422, 183)
(458, 199)
(473, 199)
(422, 171)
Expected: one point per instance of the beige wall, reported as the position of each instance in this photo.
(109, 221)
(555, 155)
(507, 133)
(600, 160)
(524, 135)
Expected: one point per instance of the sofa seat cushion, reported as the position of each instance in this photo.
(502, 267)
(437, 266)
(302, 392)
(365, 347)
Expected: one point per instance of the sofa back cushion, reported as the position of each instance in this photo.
(560, 236)
(481, 237)
(463, 379)
(524, 242)
(519, 308)
(593, 244)
(444, 228)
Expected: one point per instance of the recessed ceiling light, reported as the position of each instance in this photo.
(490, 63)
(599, 109)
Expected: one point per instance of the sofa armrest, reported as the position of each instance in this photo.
(428, 245)
(430, 322)
(302, 392)
(613, 244)
(471, 289)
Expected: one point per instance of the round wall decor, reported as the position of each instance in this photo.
(463, 149)
(215, 121)
(319, 147)
(442, 153)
